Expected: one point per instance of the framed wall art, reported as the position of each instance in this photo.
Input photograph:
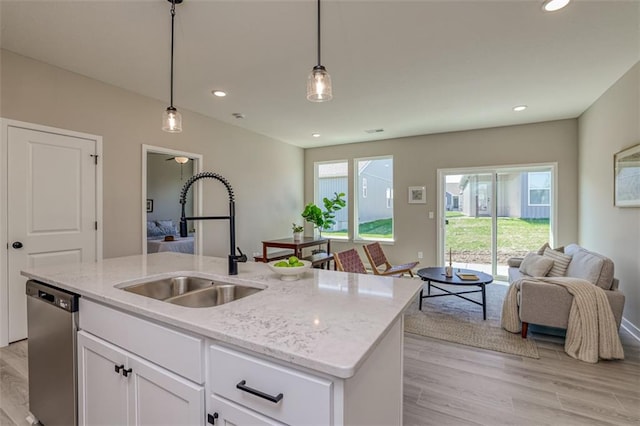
(626, 177)
(417, 195)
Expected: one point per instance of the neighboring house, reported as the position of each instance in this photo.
(334, 178)
(523, 195)
(375, 200)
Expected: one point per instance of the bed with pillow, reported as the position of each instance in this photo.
(159, 231)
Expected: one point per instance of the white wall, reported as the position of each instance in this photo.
(417, 159)
(165, 180)
(266, 174)
(610, 125)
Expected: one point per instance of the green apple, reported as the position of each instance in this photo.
(293, 260)
(281, 264)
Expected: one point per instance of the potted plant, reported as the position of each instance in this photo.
(324, 219)
(298, 230)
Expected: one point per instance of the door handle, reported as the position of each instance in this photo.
(17, 245)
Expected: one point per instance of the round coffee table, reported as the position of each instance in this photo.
(436, 275)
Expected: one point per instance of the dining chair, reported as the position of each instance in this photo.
(377, 259)
(349, 261)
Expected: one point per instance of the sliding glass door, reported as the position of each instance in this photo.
(490, 215)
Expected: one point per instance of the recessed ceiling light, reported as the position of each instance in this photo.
(553, 5)
(315, 135)
(238, 115)
(219, 93)
(519, 108)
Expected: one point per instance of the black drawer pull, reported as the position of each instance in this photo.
(118, 368)
(126, 372)
(242, 386)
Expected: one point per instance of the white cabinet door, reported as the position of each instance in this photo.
(102, 392)
(229, 414)
(116, 387)
(159, 397)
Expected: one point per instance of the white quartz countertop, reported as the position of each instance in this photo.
(327, 321)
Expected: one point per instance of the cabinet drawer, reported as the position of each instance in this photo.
(305, 399)
(230, 414)
(178, 352)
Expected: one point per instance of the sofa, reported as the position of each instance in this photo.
(548, 305)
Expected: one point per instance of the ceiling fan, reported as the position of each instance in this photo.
(180, 160)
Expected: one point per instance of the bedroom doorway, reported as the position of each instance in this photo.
(164, 172)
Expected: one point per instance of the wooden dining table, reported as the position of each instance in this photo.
(317, 259)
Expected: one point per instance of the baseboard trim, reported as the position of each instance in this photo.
(631, 328)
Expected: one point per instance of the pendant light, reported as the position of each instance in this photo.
(319, 81)
(171, 118)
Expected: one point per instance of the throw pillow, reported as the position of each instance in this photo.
(168, 223)
(543, 248)
(560, 262)
(535, 265)
(592, 267)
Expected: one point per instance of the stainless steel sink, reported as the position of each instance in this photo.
(169, 287)
(216, 295)
(193, 292)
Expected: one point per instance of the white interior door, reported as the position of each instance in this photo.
(51, 209)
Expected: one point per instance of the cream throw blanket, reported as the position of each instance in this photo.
(592, 332)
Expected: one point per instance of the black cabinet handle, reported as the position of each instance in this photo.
(126, 372)
(242, 386)
(117, 368)
(211, 418)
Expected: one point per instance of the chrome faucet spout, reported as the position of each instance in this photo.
(233, 258)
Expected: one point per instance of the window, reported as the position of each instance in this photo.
(332, 177)
(539, 188)
(374, 198)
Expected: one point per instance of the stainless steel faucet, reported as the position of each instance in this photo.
(233, 258)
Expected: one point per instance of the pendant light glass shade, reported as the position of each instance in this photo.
(181, 160)
(172, 120)
(319, 81)
(319, 85)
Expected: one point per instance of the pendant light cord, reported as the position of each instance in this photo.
(173, 16)
(319, 63)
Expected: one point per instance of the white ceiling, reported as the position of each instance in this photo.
(409, 67)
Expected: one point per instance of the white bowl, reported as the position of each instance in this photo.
(289, 274)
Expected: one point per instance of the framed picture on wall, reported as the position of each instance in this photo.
(626, 177)
(149, 206)
(417, 195)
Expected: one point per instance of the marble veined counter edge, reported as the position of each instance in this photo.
(327, 321)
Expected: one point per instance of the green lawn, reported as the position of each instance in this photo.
(470, 238)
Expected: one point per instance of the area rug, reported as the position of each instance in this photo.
(456, 320)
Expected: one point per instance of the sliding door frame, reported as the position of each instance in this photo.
(493, 170)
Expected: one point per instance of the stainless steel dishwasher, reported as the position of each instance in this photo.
(52, 316)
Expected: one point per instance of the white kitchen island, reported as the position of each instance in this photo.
(325, 349)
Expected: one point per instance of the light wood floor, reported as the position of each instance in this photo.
(450, 384)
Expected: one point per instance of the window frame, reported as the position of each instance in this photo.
(316, 168)
(529, 189)
(356, 197)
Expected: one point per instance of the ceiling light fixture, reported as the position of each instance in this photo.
(553, 5)
(219, 93)
(181, 160)
(315, 135)
(519, 108)
(171, 118)
(319, 80)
